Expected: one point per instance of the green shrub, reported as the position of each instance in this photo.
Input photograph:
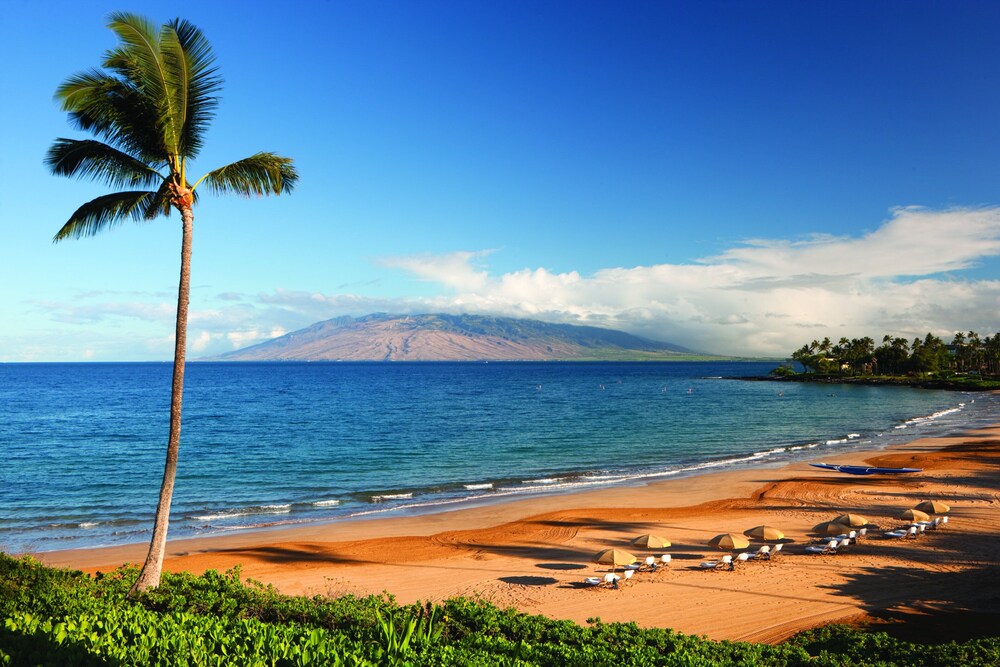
(58, 617)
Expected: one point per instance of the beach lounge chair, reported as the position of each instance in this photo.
(843, 544)
(898, 534)
(611, 579)
(665, 560)
(740, 558)
(862, 532)
(775, 550)
(627, 576)
(853, 535)
(592, 581)
(912, 532)
(714, 564)
(649, 564)
(762, 553)
(944, 520)
(828, 548)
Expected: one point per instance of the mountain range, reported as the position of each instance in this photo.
(438, 337)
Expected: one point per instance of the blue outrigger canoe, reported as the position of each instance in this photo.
(865, 470)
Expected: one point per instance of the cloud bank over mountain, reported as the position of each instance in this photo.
(920, 270)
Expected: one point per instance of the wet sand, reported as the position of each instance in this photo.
(533, 554)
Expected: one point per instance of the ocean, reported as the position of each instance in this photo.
(277, 444)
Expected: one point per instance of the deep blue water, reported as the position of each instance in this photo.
(82, 445)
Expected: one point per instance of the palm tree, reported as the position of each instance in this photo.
(150, 107)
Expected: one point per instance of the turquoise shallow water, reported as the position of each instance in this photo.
(266, 444)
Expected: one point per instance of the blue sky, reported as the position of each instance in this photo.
(735, 177)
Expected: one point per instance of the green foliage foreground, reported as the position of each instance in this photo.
(60, 617)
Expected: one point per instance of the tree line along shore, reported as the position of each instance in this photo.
(969, 362)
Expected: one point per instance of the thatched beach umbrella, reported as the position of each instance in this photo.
(614, 558)
(765, 533)
(650, 542)
(914, 515)
(831, 528)
(933, 507)
(729, 542)
(852, 520)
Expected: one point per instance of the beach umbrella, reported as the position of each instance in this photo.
(853, 520)
(729, 542)
(914, 515)
(933, 507)
(650, 542)
(614, 557)
(831, 528)
(766, 533)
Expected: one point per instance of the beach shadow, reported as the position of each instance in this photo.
(529, 580)
(286, 555)
(972, 589)
(560, 566)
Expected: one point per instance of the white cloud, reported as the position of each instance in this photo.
(763, 297)
(454, 270)
(766, 296)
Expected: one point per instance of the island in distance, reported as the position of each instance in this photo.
(382, 337)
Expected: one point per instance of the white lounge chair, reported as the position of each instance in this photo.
(713, 564)
(862, 532)
(912, 532)
(898, 534)
(774, 551)
(592, 581)
(627, 574)
(944, 520)
(665, 560)
(741, 558)
(649, 563)
(761, 553)
(611, 579)
(828, 548)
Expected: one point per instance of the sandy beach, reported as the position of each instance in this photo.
(533, 554)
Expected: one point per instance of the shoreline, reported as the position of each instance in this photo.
(533, 553)
(788, 455)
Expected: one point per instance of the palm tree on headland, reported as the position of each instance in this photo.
(150, 107)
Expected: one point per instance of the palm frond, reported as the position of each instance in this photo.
(260, 174)
(105, 212)
(97, 160)
(114, 110)
(193, 80)
(147, 72)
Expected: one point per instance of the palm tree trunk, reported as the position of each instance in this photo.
(149, 577)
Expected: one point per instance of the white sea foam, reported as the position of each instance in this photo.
(776, 450)
(390, 496)
(478, 487)
(246, 511)
(546, 480)
(326, 503)
(88, 524)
